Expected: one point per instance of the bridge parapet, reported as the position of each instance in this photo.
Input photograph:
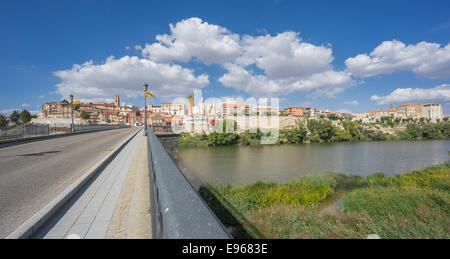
(169, 141)
(177, 211)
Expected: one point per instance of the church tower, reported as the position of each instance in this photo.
(117, 100)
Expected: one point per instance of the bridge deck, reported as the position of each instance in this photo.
(89, 213)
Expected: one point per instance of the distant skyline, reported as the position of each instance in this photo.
(338, 55)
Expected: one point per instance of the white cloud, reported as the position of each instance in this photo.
(284, 55)
(287, 65)
(125, 76)
(439, 93)
(326, 83)
(344, 111)
(424, 59)
(193, 38)
(25, 105)
(352, 103)
(284, 64)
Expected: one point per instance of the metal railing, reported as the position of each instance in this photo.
(35, 130)
(177, 211)
(24, 131)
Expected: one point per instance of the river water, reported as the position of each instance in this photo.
(239, 165)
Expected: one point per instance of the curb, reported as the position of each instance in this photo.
(29, 227)
(14, 142)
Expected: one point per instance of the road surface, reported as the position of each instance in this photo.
(33, 174)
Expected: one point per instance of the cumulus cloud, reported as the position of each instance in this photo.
(258, 65)
(284, 55)
(125, 76)
(439, 93)
(327, 83)
(424, 59)
(287, 65)
(344, 111)
(193, 38)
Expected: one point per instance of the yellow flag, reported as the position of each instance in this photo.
(147, 94)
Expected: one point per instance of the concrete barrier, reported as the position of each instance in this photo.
(177, 211)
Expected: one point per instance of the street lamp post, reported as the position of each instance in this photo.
(145, 107)
(71, 111)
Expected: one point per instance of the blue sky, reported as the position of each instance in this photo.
(304, 52)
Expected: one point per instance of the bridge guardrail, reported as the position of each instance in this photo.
(35, 130)
(177, 211)
(23, 131)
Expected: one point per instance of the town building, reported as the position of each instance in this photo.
(56, 110)
(411, 110)
(235, 109)
(173, 108)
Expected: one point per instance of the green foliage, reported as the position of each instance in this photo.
(295, 136)
(258, 195)
(188, 141)
(412, 205)
(323, 129)
(403, 135)
(25, 116)
(84, 115)
(15, 117)
(418, 212)
(223, 139)
(3, 121)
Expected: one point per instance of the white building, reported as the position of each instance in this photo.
(433, 111)
(173, 108)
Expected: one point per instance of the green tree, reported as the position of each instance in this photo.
(25, 116)
(84, 115)
(3, 121)
(414, 131)
(15, 117)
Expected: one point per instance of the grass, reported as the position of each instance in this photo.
(413, 205)
(188, 141)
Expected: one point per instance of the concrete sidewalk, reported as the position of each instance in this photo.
(88, 214)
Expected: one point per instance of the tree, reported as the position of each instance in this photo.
(84, 115)
(25, 116)
(3, 121)
(15, 117)
(65, 101)
(414, 131)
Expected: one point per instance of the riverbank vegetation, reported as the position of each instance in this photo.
(326, 130)
(333, 205)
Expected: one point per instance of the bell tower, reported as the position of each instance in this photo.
(117, 100)
(191, 104)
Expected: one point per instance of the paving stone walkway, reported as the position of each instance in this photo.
(88, 214)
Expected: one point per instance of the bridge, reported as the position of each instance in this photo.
(105, 184)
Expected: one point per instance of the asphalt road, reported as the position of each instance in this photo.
(33, 174)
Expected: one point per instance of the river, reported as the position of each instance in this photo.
(239, 165)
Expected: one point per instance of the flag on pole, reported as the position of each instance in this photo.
(147, 94)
